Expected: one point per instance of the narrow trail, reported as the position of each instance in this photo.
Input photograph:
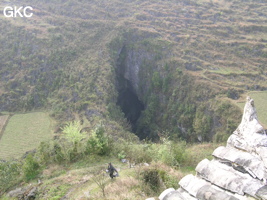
(3, 124)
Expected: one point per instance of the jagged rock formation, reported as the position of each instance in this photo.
(238, 171)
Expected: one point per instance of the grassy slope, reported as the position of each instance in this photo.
(24, 132)
(76, 181)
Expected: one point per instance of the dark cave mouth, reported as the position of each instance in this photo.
(128, 100)
(130, 105)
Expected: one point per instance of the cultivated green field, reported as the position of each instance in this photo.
(260, 99)
(24, 132)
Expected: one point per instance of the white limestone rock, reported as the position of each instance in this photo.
(210, 192)
(249, 124)
(250, 134)
(192, 184)
(165, 192)
(262, 193)
(16, 193)
(202, 189)
(174, 195)
(252, 164)
(228, 178)
(185, 194)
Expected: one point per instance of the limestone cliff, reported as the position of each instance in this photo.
(237, 171)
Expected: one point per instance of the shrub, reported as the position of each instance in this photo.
(30, 168)
(74, 154)
(9, 175)
(170, 181)
(169, 152)
(152, 178)
(165, 153)
(137, 153)
(158, 177)
(99, 143)
(65, 151)
(57, 153)
(179, 152)
(43, 153)
(121, 155)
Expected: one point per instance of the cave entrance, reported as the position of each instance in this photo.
(129, 102)
(128, 99)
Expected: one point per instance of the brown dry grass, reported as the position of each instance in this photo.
(170, 171)
(123, 188)
(200, 151)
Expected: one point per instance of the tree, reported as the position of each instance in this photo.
(73, 132)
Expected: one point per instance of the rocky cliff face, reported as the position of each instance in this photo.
(238, 171)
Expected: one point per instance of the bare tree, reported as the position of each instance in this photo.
(101, 179)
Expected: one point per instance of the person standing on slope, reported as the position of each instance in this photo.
(111, 171)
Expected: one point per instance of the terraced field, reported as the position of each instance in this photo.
(24, 132)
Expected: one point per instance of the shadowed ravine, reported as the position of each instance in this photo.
(130, 105)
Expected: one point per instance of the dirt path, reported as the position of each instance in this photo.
(3, 122)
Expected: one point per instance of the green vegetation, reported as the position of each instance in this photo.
(30, 168)
(24, 132)
(169, 161)
(186, 61)
(73, 132)
(187, 54)
(10, 175)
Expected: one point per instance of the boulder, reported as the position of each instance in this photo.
(192, 184)
(208, 192)
(251, 163)
(26, 193)
(31, 194)
(228, 178)
(185, 194)
(174, 195)
(165, 192)
(262, 193)
(202, 189)
(18, 192)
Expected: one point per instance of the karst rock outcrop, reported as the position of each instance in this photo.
(237, 171)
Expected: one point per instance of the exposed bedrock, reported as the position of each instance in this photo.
(128, 66)
(237, 171)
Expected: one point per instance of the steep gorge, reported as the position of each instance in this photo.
(169, 64)
(157, 95)
(127, 87)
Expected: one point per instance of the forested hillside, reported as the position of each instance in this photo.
(170, 66)
(158, 84)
